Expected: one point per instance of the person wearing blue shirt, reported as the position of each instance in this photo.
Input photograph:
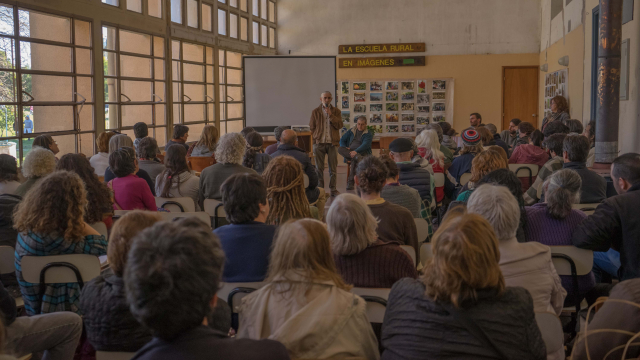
(28, 125)
(356, 141)
(246, 242)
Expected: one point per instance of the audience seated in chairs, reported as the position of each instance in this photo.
(50, 221)
(462, 288)
(574, 125)
(361, 259)
(614, 223)
(108, 322)
(497, 139)
(140, 131)
(9, 181)
(180, 136)
(177, 180)
(532, 152)
(100, 161)
(123, 141)
(472, 147)
(254, 157)
(99, 204)
(46, 141)
(277, 132)
(411, 173)
(484, 163)
(285, 191)
(429, 148)
(395, 223)
(576, 151)
(147, 150)
(206, 146)
(229, 152)
(552, 223)
(555, 127)
(553, 144)
(523, 264)
(246, 242)
(37, 164)
(447, 145)
(172, 275)
(305, 304)
(525, 129)
(129, 191)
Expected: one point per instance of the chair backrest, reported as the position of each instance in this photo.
(376, 299)
(200, 215)
(423, 229)
(112, 355)
(233, 293)
(425, 253)
(439, 179)
(215, 209)
(583, 259)
(227, 288)
(520, 169)
(551, 330)
(88, 267)
(306, 180)
(199, 163)
(7, 260)
(101, 228)
(465, 178)
(181, 204)
(411, 251)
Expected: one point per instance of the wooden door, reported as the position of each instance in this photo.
(520, 94)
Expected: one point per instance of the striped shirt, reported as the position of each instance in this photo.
(534, 193)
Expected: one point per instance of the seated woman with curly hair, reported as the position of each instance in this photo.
(50, 221)
(38, 163)
(484, 163)
(254, 156)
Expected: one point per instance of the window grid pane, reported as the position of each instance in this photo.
(207, 24)
(222, 22)
(134, 5)
(154, 8)
(176, 11)
(263, 9)
(233, 25)
(264, 34)
(255, 8)
(192, 13)
(244, 31)
(272, 11)
(272, 38)
(255, 35)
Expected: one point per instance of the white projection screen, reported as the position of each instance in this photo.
(283, 90)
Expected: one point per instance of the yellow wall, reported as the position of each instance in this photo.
(573, 46)
(478, 81)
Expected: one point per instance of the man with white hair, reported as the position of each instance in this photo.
(325, 124)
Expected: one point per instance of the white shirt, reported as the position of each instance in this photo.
(100, 163)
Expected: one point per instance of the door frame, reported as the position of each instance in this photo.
(504, 78)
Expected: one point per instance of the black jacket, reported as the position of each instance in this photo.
(501, 143)
(203, 343)
(295, 152)
(107, 319)
(109, 175)
(594, 186)
(615, 225)
(8, 311)
(412, 175)
(8, 235)
(415, 327)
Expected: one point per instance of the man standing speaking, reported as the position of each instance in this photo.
(325, 123)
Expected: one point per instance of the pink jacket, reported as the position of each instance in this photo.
(131, 193)
(529, 154)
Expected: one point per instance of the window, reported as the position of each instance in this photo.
(40, 89)
(272, 11)
(222, 22)
(233, 3)
(154, 8)
(134, 5)
(233, 25)
(244, 29)
(264, 34)
(176, 11)
(193, 85)
(263, 9)
(231, 92)
(272, 38)
(111, 2)
(207, 24)
(256, 33)
(223, 1)
(134, 81)
(243, 5)
(192, 13)
(255, 8)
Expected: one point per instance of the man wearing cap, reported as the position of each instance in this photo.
(354, 143)
(325, 123)
(411, 174)
(472, 145)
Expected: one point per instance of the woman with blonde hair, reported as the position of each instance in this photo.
(38, 163)
(462, 293)
(429, 148)
(285, 190)
(50, 221)
(559, 111)
(484, 163)
(305, 304)
(206, 146)
(100, 161)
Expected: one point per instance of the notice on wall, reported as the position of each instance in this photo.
(381, 48)
(382, 61)
(395, 106)
(556, 83)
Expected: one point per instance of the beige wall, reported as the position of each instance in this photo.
(478, 81)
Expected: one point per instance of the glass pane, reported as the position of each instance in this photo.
(272, 38)
(193, 72)
(8, 127)
(44, 26)
(264, 34)
(108, 38)
(234, 77)
(192, 13)
(110, 64)
(222, 22)
(192, 52)
(222, 91)
(45, 57)
(210, 74)
(255, 8)
(177, 113)
(111, 116)
(158, 69)
(263, 9)
(51, 118)
(8, 51)
(243, 5)
(161, 136)
(136, 91)
(244, 31)
(66, 144)
(209, 51)
(47, 88)
(194, 92)
(206, 18)
(7, 88)
(233, 3)
(83, 61)
(233, 26)
(175, 49)
(160, 114)
(272, 11)
(134, 42)
(85, 144)
(111, 2)
(234, 93)
(223, 113)
(234, 59)
(221, 61)
(195, 130)
(132, 114)
(221, 75)
(84, 88)
(133, 66)
(134, 5)
(175, 71)
(6, 21)
(83, 33)
(176, 92)
(210, 112)
(193, 113)
(176, 11)
(235, 111)
(223, 1)
(110, 90)
(158, 47)
(210, 94)
(159, 92)
(86, 118)
(255, 35)
(155, 8)
(235, 126)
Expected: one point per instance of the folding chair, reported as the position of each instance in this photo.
(465, 179)
(411, 251)
(199, 215)
(112, 355)
(8, 266)
(551, 330)
(376, 299)
(199, 163)
(234, 292)
(181, 204)
(531, 169)
(215, 209)
(101, 228)
(423, 229)
(425, 253)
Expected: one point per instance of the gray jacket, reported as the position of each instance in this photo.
(189, 187)
(213, 176)
(153, 168)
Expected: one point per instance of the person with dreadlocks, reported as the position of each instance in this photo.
(285, 189)
(254, 157)
(177, 180)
